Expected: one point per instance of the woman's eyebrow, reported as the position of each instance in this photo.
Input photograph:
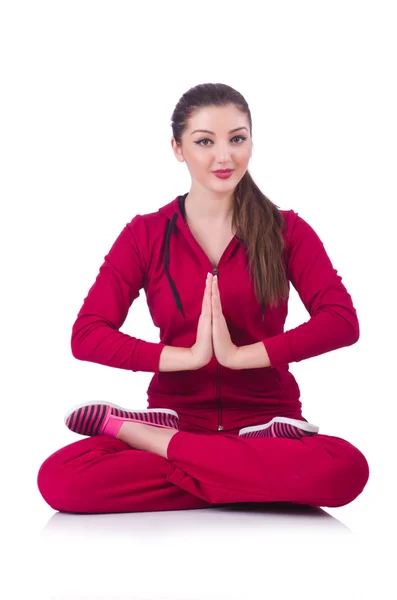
(208, 131)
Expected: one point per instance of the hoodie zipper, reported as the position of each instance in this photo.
(220, 426)
(218, 379)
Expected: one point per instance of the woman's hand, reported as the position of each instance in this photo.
(224, 349)
(202, 350)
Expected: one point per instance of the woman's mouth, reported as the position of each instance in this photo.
(223, 174)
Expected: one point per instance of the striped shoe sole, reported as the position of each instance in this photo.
(90, 418)
(282, 427)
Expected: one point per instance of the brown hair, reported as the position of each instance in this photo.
(256, 219)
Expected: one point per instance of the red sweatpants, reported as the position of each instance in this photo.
(105, 475)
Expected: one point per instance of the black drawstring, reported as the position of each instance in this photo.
(181, 203)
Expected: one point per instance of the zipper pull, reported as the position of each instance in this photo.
(215, 271)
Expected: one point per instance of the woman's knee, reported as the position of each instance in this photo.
(50, 480)
(349, 471)
(358, 465)
(58, 476)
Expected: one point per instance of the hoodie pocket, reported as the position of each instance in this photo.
(276, 375)
(262, 381)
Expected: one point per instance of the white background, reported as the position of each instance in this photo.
(87, 93)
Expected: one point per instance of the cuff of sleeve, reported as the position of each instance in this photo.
(147, 356)
(279, 350)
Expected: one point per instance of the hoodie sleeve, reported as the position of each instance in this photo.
(95, 333)
(333, 323)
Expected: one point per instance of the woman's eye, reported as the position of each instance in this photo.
(199, 142)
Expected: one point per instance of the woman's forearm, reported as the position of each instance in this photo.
(252, 356)
(176, 359)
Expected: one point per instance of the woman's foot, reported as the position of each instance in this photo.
(146, 437)
(103, 418)
(283, 427)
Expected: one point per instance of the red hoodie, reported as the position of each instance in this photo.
(158, 252)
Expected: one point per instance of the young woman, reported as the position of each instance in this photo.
(224, 421)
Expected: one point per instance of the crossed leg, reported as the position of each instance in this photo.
(104, 474)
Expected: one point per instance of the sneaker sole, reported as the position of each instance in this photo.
(281, 427)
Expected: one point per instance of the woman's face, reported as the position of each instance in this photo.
(224, 148)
